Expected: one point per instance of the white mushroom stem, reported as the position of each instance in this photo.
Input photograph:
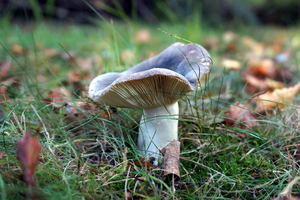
(158, 127)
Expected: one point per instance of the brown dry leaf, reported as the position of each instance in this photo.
(74, 76)
(1, 155)
(231, 47)
(50, 52)
(17, 49)
(257, 48)
(274, 84)
(84, 64)
(212, 42)
(140, 163)
(278, 44)
(3, 88)
(276, 98)
(240, 113)
(127, 55)
(28, 151)
(142, 36)
(231, 64)
(229, 37)
(58, 96)
(151, 54)
(264, 68)
(4, 67)
(171, 161)
(68, 56)
(255, 84)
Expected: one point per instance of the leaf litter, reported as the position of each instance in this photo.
(261, 74)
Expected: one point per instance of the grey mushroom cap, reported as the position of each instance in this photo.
(161, 80)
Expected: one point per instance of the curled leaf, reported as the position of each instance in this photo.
(240, 114)
(4, 67)
(229, 36)
(141, 162)
(58, 96)
(28, 151)
(263, 68)
(171, 161)
(212, 42)
(231, 64)
(142, 36)
(278, 97)
(255, 84)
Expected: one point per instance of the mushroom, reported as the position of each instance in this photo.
(155, 85)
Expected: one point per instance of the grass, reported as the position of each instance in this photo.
(86, 154)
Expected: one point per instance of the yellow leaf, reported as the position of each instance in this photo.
(277, 97)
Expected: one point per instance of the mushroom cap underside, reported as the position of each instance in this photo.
(162, 79)
(146, 89)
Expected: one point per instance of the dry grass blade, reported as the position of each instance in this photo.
(286, 193)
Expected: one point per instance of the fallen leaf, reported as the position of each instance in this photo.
(284, 75)
(171, 161)
(151, 54)
(264, 68)
(255, 84)
(84, 64)
(230, 47)
(50, 52)
(142, 36)
(241, 115)
(28, 151)
(127, 55)
(74, 76)
(1, 155)
(17, 49)
(229, 37)
(3, 88)
(141, 163)
(68, 56)
(231, 64)
(212, 42)
(257, 49)
(277, 44)
(276, 98)
(58, 96)
(4, 67)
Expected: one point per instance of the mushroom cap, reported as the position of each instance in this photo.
(161, 80)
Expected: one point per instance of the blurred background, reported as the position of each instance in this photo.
(212, 12)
